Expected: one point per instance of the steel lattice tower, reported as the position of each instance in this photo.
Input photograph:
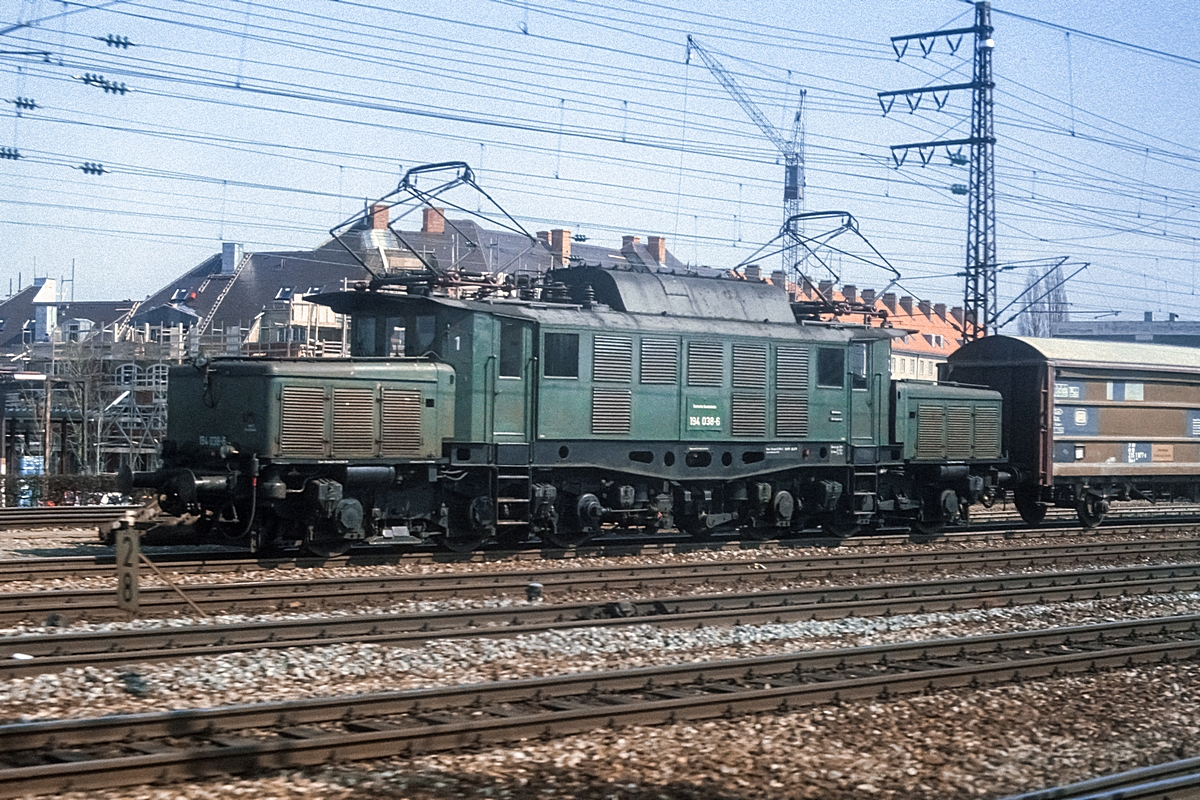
(980, 294)
(980, 300)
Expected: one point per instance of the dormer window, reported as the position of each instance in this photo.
(313, 290)
(284, 293)
(180, 295)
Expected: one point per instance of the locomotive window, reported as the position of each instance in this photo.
(858, 366)
(362, 342)
(418, 341)
(831, 368)
(561, 355)
(512, 355)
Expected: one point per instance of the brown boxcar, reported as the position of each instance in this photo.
(1089, 422)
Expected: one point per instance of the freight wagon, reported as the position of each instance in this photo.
(1086, 423)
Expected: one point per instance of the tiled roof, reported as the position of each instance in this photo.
(463, 245)
(936, 331)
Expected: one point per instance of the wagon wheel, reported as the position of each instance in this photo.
(324, 544)
(1091, 510)
(1028, 506)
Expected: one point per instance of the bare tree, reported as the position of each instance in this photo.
(1046, 303)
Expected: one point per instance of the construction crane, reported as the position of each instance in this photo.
(790, 148)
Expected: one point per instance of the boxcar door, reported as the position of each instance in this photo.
(513, 379)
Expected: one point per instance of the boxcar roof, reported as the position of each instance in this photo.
(1015, 350)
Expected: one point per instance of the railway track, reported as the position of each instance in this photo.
(106, 752)
(40, 653)
(1175, 779)
(23, 569)
(33, 517)
(296, 593)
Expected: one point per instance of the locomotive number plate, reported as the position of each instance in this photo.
(705, 415)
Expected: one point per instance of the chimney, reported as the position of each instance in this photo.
(926, 308)
(906, 304)
(850, 293)
(868, 297)
(1172, 317)
(753, 272)
(889, 300)
(658, 248)
(544, 237)
(379, 217)
(231, 256)
(629, 241)
(1149, 316)
(560, 245)
(433, 220)
(779, 278)
(825, 288)
(940, 310)
(957, 313)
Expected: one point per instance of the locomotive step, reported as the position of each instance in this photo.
(512, 499)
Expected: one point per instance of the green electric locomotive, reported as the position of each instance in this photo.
(602, 398)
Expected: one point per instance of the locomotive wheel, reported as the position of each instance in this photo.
(924, 531)
(1029, 507)
(578, 521)
(512, 537)
(462, 541)
(328, 546)
(1091, 510)
(472, 521)
(840, 525)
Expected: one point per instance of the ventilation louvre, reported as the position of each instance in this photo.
(749, 366)
(958, 432)
(791, 369)
(611, 410)
(612, 359)
(401, 423)
(987, 432)
(931, 432)
(660, 361)
(353, 422)
(706, 364)
(749, 415)
(302, 421)
(791, 392)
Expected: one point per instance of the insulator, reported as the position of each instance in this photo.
(10, 153)
(25, 103)
(93, 168)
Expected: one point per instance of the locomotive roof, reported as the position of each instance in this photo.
(1020, 350)
(605, 317)
(666, 291)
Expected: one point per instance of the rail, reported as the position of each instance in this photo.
(105, 752)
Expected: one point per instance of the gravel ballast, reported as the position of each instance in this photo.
(263, 675)
(966, 743)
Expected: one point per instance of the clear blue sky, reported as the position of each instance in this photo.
(267, 123)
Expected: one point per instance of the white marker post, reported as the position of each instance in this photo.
(128, 556)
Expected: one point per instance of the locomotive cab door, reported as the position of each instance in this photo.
(864, 386)
(512, 376)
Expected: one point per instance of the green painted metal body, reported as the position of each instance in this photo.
(240, 403)
(939, 422)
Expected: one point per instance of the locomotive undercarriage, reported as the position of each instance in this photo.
(326, 507)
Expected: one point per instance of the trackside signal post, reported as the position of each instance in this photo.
(129, 554)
